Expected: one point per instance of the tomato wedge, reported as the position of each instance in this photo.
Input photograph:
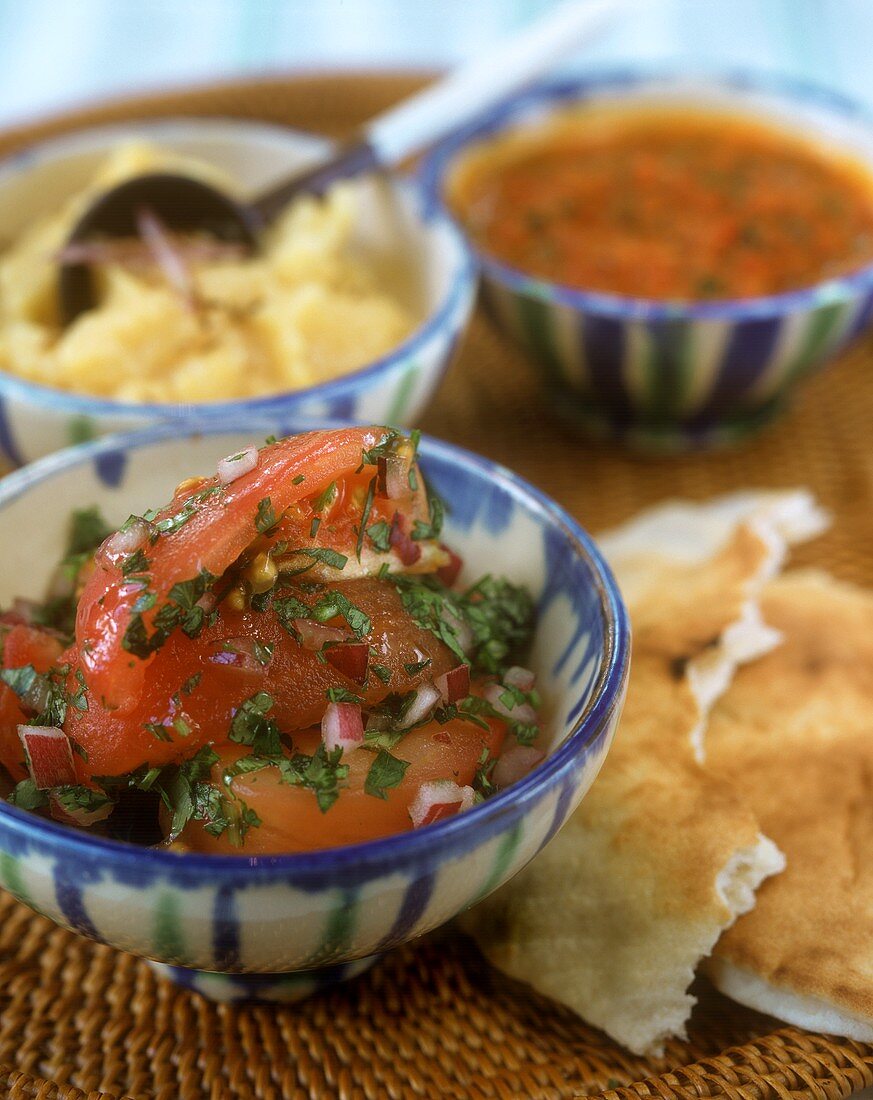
(195, 539)
(22, 645)
(195, 685)
(291, 820)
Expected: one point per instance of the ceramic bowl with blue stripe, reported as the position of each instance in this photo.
(420, 255)
(279, 927)
(656, 374)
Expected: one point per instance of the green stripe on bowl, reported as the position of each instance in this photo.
(536, 325)
(400, 400)
(13, 879)
(502, 861)
(826, 324)
(168, 937)
(338, 931)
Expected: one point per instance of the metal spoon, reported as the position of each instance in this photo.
(188, 205)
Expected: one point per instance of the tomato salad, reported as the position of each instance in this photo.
(280, 659)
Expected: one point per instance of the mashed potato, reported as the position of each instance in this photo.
(306, 309)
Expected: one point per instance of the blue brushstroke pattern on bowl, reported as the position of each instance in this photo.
(420, 247)
(280, 927)
(669, 376)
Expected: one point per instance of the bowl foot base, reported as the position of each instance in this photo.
(662, 438)
(274, 988)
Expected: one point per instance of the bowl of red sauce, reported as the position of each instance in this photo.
(675, 251)
(269, 708)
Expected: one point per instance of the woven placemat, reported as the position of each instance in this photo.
(432, 1020)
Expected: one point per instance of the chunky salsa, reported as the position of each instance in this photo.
(280, 659)
(672, 204)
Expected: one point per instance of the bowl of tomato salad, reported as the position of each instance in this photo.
(674, 251)
(268, 709)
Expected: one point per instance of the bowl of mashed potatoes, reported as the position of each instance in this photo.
(351, 308)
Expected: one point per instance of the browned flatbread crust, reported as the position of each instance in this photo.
(795, 735)
(614, 916)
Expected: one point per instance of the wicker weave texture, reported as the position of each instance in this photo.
(80, 1021)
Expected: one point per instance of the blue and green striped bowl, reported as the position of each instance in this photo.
(421, 254)
(280, 927)
(655, 374)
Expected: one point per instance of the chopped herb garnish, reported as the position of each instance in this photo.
(294, 480)
(27, 795)
(380, 535)
(365, 515)
(263, 652)
(321, 773)
(318, 554)
(265, 519)
(385, 772)
(88, 529)
(334, 605)
(314, 526)
(325, 497)
(136, 564)
(342, 695)
(414, 667)
(384, 447)
(251, 726)
(382, 672)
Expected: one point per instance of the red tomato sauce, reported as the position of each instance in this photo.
(668, 205)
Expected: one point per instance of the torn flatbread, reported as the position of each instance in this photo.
(661, 856)
(795, 735)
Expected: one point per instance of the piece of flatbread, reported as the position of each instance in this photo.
(795, 735)
(661, 856)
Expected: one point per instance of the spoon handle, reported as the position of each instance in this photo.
(486, 80)
(450, 103)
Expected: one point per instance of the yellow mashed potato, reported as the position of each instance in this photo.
(306, 309)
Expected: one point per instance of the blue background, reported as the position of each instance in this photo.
(58, 53)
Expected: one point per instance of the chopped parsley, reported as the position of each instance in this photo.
(266, 520)
(380, 535)
(385, 772)
(340, 694)
(251, 725)
(325, 497)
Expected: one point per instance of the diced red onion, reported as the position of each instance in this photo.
(521, 712)
(129, 539)
(454, 685)
(439, 799)
(392, 477)
(422, 706)
(25, 610)
(462, 630)
(449, 572)
(402, 543)
(49, 756)
(238, 653)
(342, 726)
(521, 678)
(241, 462)
(515, 764)
(206, 602)
(128, 252)
(78, 815)
(166, 255)
(352, 659)
(315, 636)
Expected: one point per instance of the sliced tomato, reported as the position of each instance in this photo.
(215, 525)
(22, 645)
(291, 820)
(195, 685)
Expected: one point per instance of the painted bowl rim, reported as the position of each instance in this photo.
(462, 285)
(556, 91)
(607, 692)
